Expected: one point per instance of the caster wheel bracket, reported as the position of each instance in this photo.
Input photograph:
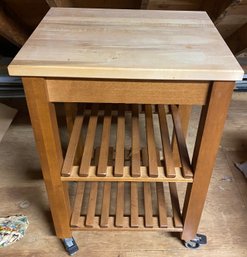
(196, 242)
(70, 245)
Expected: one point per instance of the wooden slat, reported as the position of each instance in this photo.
(71, 110)
(119, 159)
(148, 205)
(158, 158)
(120, 205)
(105, 140)
(88, 149)
(135, 156)
(152, 156)
(183, 151)
(105, 205)
(77, 204)
(92, 204)
(73, 144)
(184, 114)
(134, 205)
(161, 205)
(175, 205)
(144, 154)
(167, 151)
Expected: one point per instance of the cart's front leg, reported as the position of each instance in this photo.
(44, 122)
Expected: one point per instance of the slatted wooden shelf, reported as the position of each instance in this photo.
(144, 177)
(143, 160)
(126, 206)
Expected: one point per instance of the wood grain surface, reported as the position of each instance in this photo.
(127, 44)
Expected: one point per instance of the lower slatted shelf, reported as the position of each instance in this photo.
(126, 206)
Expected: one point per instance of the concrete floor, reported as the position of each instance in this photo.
(224, 219)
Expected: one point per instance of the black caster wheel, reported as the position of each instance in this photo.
(196, 242)
(70, 245)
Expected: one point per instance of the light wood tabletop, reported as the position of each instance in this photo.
(126, 44)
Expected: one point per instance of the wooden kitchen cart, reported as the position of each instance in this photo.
(125, 69)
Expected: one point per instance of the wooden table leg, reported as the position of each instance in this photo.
(44, 122)
(208, 138)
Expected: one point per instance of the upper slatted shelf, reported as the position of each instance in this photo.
(133, 144)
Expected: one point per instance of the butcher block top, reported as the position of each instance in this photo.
(126, 44)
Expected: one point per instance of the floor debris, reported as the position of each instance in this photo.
(12, 229)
